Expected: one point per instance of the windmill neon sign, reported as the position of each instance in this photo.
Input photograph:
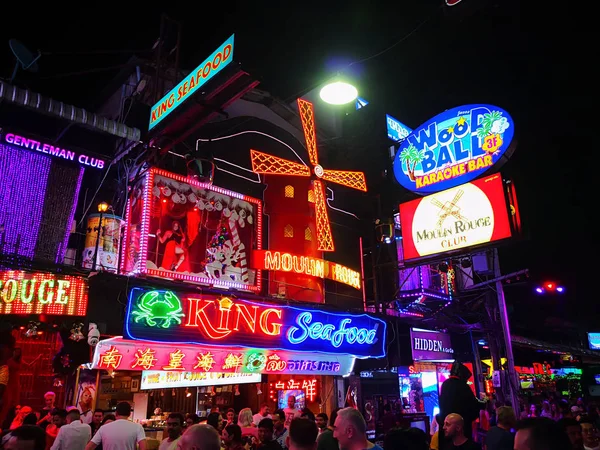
(263, 163)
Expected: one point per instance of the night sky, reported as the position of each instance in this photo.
(481, 51)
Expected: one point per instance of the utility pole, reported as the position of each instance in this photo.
(509, 378)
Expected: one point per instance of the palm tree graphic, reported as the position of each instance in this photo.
(487, 123)
(411, 157)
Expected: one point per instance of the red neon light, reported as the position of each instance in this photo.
(309, 386)
(111, 358)
(232, 317)
(145, 359)
(144, 231)
(175, 361)
(307, 265)
(550, 286)
(42, 293)
(263, 163)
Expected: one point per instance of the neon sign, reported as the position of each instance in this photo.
(453, 148)
(123, 354)
(43, 147)
(309, 386)
(473, 214)
(42, 293)
(212, 65)
(223, 321)
(160, 379)
(307, 265)
(317, 330)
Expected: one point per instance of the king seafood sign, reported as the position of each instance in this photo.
(195, 318)
(453, 148)
(469, 215)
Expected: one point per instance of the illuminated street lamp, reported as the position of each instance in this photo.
(338, 93)
(102, 208)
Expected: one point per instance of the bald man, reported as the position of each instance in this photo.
(200, 437)
(454, 431)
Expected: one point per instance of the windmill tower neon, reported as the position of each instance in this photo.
(265, 164)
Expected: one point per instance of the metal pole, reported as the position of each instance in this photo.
(97, 242)
(511, 375)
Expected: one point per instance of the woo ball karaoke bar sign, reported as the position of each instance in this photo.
(453, 148)
(195, 318)
(465, 216)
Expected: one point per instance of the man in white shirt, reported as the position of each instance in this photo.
(74, 435)
(122, 434)
(263, 413)
(291, 412)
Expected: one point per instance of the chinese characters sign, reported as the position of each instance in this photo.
(309, 386)
(42, 293)
(179, 228)
(307, 265)
(159, 379)
(195, 318)
(216, 62)
(430, 345)
(470, 215)
(122, 354)
(453, 148)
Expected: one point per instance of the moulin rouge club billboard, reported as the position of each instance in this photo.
(453, 148)
(430, 345)
(469, 215)
(42, 293)
(123, 354)
(179, 228)
(195, 318)
(212, 65)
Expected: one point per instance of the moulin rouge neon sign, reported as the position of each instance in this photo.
(208, 319)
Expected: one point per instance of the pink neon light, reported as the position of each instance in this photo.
(124, 354)
(145, 230)
(125, 244)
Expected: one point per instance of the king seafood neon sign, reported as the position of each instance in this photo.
(453, 148)
(167, 316)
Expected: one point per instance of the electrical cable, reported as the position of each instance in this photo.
(252, 132)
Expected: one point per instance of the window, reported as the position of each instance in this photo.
(311, 196)
(288, 231)
(289, 191)
(307, 234)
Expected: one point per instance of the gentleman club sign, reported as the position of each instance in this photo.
(430, 345)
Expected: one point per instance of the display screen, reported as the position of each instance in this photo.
(597, 378)
(282, 398)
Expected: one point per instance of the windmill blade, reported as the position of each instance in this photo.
(272, 165)
(324, 236)
(354, 180)
(307, 115)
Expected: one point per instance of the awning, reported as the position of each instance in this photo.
(547, 347)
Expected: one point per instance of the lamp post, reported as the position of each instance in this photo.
(102, 208)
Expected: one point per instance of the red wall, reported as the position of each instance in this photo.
(298, 213)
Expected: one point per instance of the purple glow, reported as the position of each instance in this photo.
(560, 289)
(22, 193)
(539, 290)
(43, 147)
(60, 254)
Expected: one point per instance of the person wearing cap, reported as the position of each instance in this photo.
(122, 434)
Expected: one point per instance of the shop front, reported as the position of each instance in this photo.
(211, 350)
(46, 312)
(420, 383)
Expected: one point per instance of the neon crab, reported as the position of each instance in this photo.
(158, 305)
